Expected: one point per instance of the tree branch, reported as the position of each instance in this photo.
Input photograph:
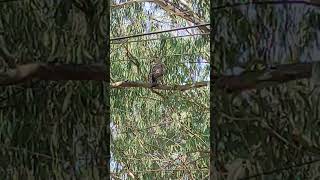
(41, 71)
(187, 14)
(264, 78)
(97, 72)
(172, 8)
(315, 3)
(130, 84)
(128, 3)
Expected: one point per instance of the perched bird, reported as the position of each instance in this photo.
(156, 72)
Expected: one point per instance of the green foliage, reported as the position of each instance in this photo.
(167, 136)
(274, 127)
(51, 130)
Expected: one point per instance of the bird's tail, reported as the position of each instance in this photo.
(153, 81)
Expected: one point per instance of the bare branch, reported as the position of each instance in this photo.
(172, 8)
(131, 84)
(41, 71)
(187, 14)
(128, 3)
(264, 78)
(315, 3)
(97, 72)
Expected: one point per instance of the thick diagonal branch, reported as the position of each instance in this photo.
(178, 10)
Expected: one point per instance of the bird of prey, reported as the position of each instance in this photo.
(156, 73)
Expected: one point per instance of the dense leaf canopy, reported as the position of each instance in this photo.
(52, 129)
(271, 130)
(158, 133)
